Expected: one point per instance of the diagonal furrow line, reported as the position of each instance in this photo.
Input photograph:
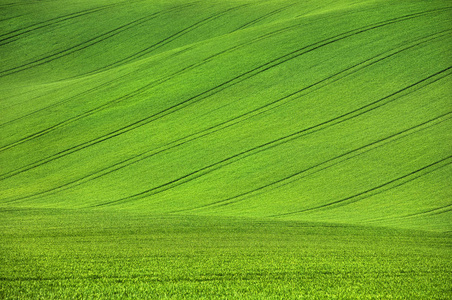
(330, 162)
(84, 45)
(433, 211)
(67, 121)
(208, 93)
(263, 147)
(73, 49)
(381, 188)
(75, 118)
(356, 31)
(437, 212)
(12, 36)
(235, 120)
(374, 60)
(263, 17)
(231, 122)
(167, 40)
(117, 100)
(133, 93)
(12, 17)
(8, 4)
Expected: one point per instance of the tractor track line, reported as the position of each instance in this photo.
(143, 88)
(10, 18)
(163, 79)
(347, 34)
(330, 162)
(166, 40)
(223, 125)
(263, 17)
(263, 147)
(108, 83)
(378, 189)
(81, 46)
(290, 27)
(146, 87)
(205, 94)
(433, 211)
(11, 36)
(231, 122)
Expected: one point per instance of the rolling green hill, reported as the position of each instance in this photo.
(258, 118)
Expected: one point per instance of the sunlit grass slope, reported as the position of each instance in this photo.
(303, 110)
(236, 149)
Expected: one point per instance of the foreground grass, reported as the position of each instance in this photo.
(57, 254)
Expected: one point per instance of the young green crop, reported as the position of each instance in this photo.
(225, 149)
(58, 254)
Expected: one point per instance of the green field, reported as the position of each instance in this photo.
(235, 149)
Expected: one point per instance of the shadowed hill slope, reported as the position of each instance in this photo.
(332, 111)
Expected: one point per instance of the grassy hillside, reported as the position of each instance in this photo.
(218, 112)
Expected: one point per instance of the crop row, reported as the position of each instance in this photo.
(227, 84)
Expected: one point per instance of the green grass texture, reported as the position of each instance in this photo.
(225, 149)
